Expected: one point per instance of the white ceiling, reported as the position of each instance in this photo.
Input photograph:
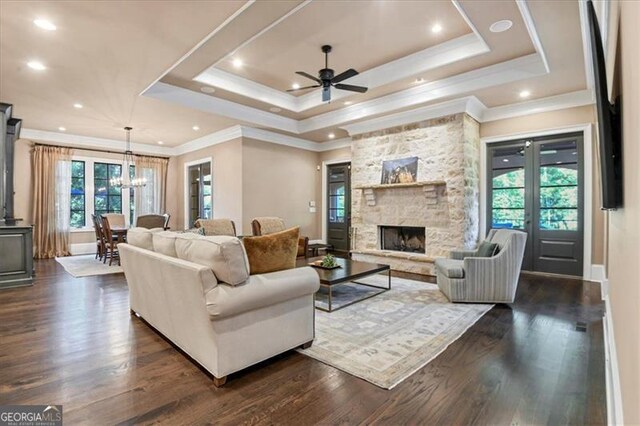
(143, 63)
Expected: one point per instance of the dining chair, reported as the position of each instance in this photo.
(100, 246)
(111, 243)
(116, 220)
(151, 221)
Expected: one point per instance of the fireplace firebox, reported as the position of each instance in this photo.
(402, 238)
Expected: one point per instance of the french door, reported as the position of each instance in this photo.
(200, 197)
(338, 205)
(536, 185)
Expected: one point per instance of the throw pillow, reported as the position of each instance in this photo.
(487, 249)
(223, 254)
(272, 252)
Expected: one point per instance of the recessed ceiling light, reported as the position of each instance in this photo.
(62, 129)
(36, 65)
(237, 63)
(44, 24)
(160, 143)
(331, 135)
(196, 128)
(506, 160)
(275, 109)
(525, 94)
(295, 86)
(500, 26)
(419, 80)
(348, 102)
(207, 89)
(79, 106)
(436, 28)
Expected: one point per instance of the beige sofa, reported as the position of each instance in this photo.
(176, 285)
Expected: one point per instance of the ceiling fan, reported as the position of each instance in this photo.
(326, 79)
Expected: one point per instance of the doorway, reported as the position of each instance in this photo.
(338, 206)
(537, 185)
(199, 192)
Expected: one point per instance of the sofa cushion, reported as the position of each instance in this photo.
(450, 268)
(260, 291)
(223, 254)
(165, 243)
(273, 252)
(142, 237)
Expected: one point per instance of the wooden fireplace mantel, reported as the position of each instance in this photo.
(430, 189)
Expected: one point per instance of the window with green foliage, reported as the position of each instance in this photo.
(107, 198)
(508, 198)
(559, 197)
(77, 194)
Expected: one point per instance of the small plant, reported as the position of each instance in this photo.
(329, 261)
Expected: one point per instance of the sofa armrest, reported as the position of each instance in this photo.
(461, 254)
(262, 290)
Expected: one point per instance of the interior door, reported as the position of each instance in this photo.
(536, 185)
(338, 205)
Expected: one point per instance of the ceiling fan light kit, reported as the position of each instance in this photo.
(326, 79)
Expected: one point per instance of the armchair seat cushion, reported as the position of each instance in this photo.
(450, 268)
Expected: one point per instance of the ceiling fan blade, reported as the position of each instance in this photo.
(359, 89)
(304, 88)
(345, 75)
(309, 76)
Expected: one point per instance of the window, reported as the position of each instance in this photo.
(200, 202)
(508, 188)
(107, 198)
(78, 203)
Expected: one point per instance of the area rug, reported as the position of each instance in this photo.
(87, 266)
(388, 337)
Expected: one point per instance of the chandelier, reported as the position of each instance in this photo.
(125, 180)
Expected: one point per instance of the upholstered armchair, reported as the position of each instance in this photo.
(465, 278)
(269, 225)
(151, 221)
(217, 226)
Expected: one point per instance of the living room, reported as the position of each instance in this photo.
(261, 211)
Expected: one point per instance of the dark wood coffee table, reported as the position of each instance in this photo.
(349, 272)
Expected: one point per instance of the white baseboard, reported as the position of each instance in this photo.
(82, 248)
(598, 273)
(612, 377)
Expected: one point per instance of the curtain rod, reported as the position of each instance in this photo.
(98, 150)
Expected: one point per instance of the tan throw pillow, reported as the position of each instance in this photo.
(224, 255)
(273, 252)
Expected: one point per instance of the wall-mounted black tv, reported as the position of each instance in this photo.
(609, 118)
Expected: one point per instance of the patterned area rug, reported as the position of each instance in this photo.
(386, 338)
(87, 266)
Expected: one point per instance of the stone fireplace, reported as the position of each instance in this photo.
(443, 201)
(410, 239)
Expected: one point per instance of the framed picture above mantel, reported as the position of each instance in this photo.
(403, 170)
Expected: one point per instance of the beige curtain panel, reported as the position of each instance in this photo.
(51, 200)
(151, 198)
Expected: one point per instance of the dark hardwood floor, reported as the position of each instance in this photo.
(72, 342)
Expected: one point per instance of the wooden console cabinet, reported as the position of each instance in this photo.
(16, 256)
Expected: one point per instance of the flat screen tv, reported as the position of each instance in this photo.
(609, 118)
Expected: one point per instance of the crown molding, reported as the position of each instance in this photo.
(493, 75)
(586, 44)
(533, 32)
(470, 105)
(211, 104)
(215, 138)
(536, 106)
(89, 142)
(431, 58)
(476, 109)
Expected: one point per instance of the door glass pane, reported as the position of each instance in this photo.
(559, 186)
(508, 194)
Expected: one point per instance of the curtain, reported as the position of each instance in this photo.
(151, 198)
(51, 200)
